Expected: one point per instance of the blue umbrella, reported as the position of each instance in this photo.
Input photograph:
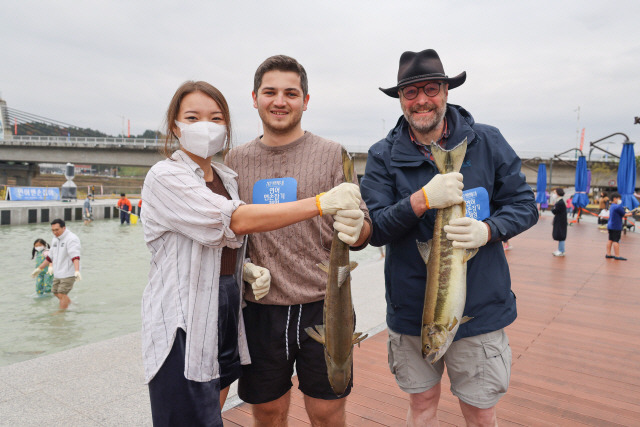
(541, 186)
(580, 199)
(627, 176)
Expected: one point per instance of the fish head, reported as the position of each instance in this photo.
(339, 375)
(435, 336)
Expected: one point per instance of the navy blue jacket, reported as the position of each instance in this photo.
(395, 170)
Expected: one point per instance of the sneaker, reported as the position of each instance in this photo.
(609, 256)
(619, 258)
(558, 253)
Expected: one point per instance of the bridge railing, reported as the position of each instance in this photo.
(81, 141)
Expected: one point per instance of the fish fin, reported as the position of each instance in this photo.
(357, 337)
(343, 273)
(465, 319)
(449, 160)
(469, 253)
(424, 249)
(453, 324)
(353, 265)
(324, 266)
(319, 335)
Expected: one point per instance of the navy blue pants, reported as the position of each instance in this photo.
(177, 401)
(125, 217)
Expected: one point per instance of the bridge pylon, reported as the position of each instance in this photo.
(5, 126)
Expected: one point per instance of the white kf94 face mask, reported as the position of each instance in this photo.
(204, 139)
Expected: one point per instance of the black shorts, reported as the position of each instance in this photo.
(614, 235)
(277, 340)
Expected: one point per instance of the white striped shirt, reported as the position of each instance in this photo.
(186, 226)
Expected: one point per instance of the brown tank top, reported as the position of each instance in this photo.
(229, 255)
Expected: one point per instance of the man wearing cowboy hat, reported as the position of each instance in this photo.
(403, 190)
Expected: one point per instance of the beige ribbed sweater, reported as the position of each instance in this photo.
(291, 253)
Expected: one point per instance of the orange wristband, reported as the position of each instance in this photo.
(318, 203)
(426, 198)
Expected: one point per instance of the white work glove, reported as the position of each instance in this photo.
(343, 196)
(348, 224)
(258, 277)
(467, 233)
(78, 276)
(50, 270)
(443, 190)
(35, 273)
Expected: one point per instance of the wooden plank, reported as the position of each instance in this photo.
(575, 343)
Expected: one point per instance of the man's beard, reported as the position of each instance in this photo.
(425, 125)
(280, 128)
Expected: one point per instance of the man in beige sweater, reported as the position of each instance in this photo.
(287, 163)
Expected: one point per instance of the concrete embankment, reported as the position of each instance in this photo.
(33, 212)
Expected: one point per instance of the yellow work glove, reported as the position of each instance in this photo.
(467, 233)
(348, 224)
(343, 196)
(35, 273)
(258, 277)
(443, 190)
(78, 276)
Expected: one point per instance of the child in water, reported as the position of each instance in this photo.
(45, 278)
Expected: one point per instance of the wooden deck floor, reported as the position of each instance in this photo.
(575, 344)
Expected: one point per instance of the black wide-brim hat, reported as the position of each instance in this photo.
(422, 66)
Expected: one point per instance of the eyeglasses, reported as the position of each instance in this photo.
(430, 89)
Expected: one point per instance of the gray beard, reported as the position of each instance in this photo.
(425, 128)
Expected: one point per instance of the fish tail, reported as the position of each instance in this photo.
(347, 165)
(449, 160)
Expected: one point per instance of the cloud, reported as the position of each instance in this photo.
(529, 65)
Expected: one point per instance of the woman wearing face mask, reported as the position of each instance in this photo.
(44, 278)
(193, 336)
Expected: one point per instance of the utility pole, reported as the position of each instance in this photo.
(578, 131)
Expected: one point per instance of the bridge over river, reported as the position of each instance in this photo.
(21, 154)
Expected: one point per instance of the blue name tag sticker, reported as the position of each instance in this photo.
(477, 201)
(275, 190)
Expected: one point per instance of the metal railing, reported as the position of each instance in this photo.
(82, 141)
(154, 144)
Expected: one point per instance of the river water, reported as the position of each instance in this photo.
(104, 304)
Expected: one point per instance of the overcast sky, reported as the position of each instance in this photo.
(529, 65)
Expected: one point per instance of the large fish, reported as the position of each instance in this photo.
(446, 269)
(336, 335)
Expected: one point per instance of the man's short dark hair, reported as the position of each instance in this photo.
(281, 63)
(559, 191)
(616, 196)
(121, 194)
(59, 222)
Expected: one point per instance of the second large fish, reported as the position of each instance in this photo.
(337, 334)
(446, 269)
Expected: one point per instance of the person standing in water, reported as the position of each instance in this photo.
(44, 278)
(87, 210)
(65, 257)
(124, 205)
